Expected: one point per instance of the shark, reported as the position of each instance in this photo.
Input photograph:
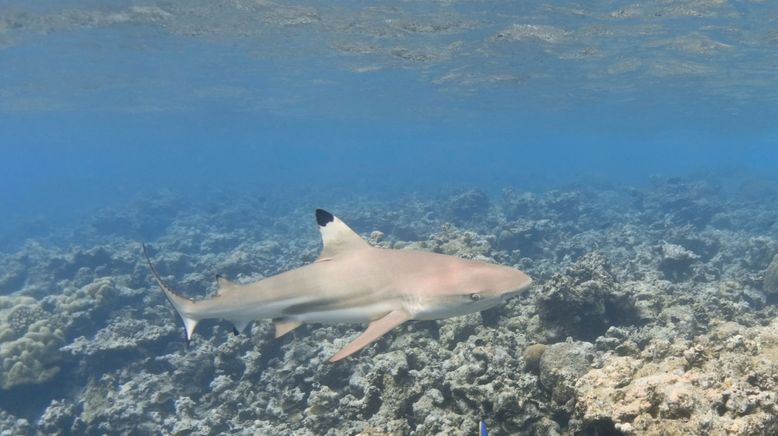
(353, 282)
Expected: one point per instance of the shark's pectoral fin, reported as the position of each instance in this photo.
(375, 330)
(285, 326)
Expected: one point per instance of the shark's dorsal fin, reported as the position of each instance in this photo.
(336, 236)
(225, 285)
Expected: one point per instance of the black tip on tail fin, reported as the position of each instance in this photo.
(323, 217)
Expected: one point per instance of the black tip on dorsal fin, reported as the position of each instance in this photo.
(336, 236)
(323, 217)
(235, 331)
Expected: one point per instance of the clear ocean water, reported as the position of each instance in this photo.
(108, 105)
(103, 101)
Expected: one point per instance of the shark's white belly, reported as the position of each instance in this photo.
(450, 310)
(354, 314)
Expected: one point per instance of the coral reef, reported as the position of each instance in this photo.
(723, 382)
(13, 426)
(120, 336)
(583, 301)
(29, 342)
(682, 201)
(675, 261)
(653, 312)
(468, 205)
(560, 367)
(524, 235)
(771, 277)
(453, 241)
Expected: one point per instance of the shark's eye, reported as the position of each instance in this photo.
(475, 296)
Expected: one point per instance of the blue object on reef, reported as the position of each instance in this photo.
(482, 429)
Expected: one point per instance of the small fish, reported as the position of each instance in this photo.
(482, 429)
(352, 281)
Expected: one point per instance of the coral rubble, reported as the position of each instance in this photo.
(653, 313)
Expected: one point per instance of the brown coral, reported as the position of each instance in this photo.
(722, 383)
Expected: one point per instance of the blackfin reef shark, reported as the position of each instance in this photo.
(354, 282)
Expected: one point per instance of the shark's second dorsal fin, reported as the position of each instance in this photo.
(336, 236)
(225, 285)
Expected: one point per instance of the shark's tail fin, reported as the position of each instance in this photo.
(184, 306)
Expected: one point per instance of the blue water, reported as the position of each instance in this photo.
(213, 129)
(102, 103)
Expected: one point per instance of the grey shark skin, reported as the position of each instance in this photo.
(353, 282)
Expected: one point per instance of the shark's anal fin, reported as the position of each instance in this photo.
(336, 236)
(239, 326)
(284, 326)
(375, 330)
